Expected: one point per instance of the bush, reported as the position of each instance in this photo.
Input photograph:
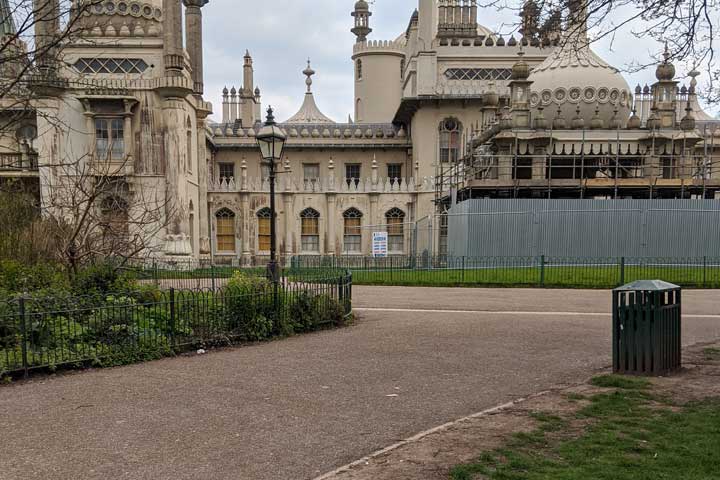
(16, 277)
(249, 307)
(102, 278)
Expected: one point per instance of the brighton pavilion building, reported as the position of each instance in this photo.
(446, 111)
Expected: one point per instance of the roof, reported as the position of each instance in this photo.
(309, 111)
(647, 285)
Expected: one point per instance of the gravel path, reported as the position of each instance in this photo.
(296, 408)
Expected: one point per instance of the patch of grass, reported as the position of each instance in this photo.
(712, 353)
(627, 439)
(575, 397)
(619, 381)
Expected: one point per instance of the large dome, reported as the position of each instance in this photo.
(576, 77)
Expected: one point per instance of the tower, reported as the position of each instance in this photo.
(664, 93)
(378, 80)
(362, 16)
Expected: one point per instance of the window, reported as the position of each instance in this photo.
(450, 131)
(395, 173)
(358, 69)
(189, 146)
(358, 111)
(311, 175)
(352, 173)
(225, 237)
(110, 65)
(396, 230)
(352, 241)
(478, 73)
(310, 231)
(227, 170)
(402, 68)
(109, 138)
(264, 219)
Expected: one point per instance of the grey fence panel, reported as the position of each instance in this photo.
(585, 228)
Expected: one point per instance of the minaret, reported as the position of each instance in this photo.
(172, 38)
(362, 16)
(226, 105)
(520, 93)
(194, 41)
(47, 31)
(664, 92)
(247, 93)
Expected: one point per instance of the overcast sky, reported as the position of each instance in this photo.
(282, 34)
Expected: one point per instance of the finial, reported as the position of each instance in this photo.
(666, 53)
(308, 72)
(270, 120)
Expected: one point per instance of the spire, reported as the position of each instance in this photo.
(309, 111)
(7, 23)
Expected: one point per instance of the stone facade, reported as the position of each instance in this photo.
(446, 110)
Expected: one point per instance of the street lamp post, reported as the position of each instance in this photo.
(271, 141)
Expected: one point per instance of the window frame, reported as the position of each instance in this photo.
(310, 231)
(114, 129)
(222, 165)
(450, 140)
(223, 238)
(352, 231)
(397, 178)
(350, 180)
(311, 182)
(264, 238)
(395, 227)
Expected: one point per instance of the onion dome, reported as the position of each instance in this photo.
(225, 91)
(309, 111)
(634, 122)
(665, 72)
(491, 97)
(578, 122)
(521, 70)
(233, 91)
(615, 121)
(540, 121)
(559, 123)
(596, 122)
(576, 79)
(257, 91)
(362, 6)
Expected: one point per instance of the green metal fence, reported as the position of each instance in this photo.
(560, 272)
(41, 332)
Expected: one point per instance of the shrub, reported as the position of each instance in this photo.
(102, 278)
(249, 307)
(16, 277)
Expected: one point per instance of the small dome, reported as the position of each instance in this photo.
(362, 6)
(665, 71)
(634, 122)
(521, 70)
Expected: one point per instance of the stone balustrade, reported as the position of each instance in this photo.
(323, 185)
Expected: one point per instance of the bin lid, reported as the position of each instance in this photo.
(647, 286)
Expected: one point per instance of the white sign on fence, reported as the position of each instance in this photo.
(380, 244)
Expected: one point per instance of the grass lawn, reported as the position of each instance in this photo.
(608, 276)
(627, 434)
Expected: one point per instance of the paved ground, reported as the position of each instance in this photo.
(297, 408)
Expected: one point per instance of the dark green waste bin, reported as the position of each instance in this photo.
(647, 317)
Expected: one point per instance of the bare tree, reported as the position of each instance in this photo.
(687, 27)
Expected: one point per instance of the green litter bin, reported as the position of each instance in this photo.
(647, 331)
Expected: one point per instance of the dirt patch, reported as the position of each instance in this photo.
(432, 456)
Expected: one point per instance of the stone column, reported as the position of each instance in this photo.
(172, 38)
(47, 30)
(194, 41)
(287, 206)
(331, 215)
(246, 240)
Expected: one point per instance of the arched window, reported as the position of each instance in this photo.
(264, 219)
(358, 111)
(396, 230)
(310, 231)
(450, 134)
(358, 69)
(402, 69)
(225, 235)
(189, 145)
(352, 239)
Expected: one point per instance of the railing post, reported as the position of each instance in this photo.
(705, 271)
(212, 276)
(463, 270)
(542, 270)
(156, 275)
(622, 271)
(172, 317)
(23, 332)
